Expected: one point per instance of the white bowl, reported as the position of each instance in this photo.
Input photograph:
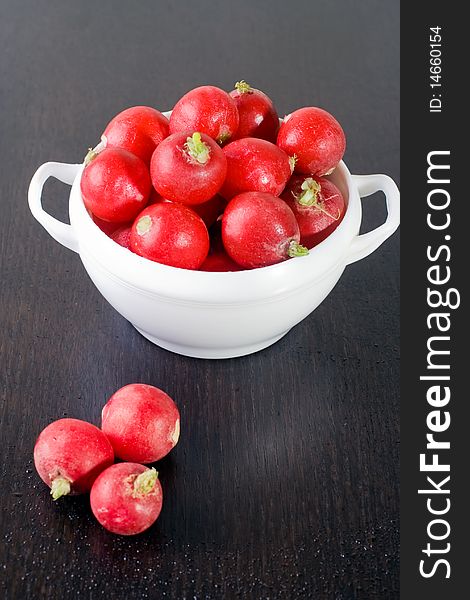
(215, 315)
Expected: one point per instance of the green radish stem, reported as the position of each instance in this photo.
(310, 196)
(60, 487)
(197, 149)
(145, 482)
(243, 87)
(292, 162)
(296, 249)
(91, 154)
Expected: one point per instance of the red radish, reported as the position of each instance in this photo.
(315, 138)
(155, 197)
(127, 498)
(207, 109)
(318, 206)
(171, 234)
(188, 167)
(259, 229)
(122, 236)
(69, 454)
(138, 129)
(209, 210)
(115, 185)
(141, 422)
(218, 260)
(255, 165)
(258, 117)
(105, 226)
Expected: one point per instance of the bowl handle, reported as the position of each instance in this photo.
(365, 244)
(61, 232)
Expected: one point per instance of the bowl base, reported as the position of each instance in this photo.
(217, 353)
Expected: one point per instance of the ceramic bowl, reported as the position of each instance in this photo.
(215, 315)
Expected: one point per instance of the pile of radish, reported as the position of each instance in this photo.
(140, 424)
(220, 185)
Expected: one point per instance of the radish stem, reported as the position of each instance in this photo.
(60, 487)
(91, 155)
(296, 249)
(145, 482)
(243, 87)
(292, 162)
(197, 149)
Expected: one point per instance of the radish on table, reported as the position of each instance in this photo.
(141, 422)
(127, 498)
(69, 454)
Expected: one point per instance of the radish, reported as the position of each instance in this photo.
(115, 185)
(258, 117)
(69, 454)
(141, 422)
(138, 129)
(259, 229)
(171, 234)
(255, 165)
(218, 260)
(127, 498)
(105, 226)
(318, 206)
(315, 138)
(209, 210)
(122, 236)
(188, 167)
(155, 197)
(207, 109)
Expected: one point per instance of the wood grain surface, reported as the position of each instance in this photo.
(285, 480)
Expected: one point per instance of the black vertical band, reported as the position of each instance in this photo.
(435, 250)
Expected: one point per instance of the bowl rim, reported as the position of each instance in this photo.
(248, 286)
(312, 256)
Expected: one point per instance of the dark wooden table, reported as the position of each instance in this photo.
(285, 480)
